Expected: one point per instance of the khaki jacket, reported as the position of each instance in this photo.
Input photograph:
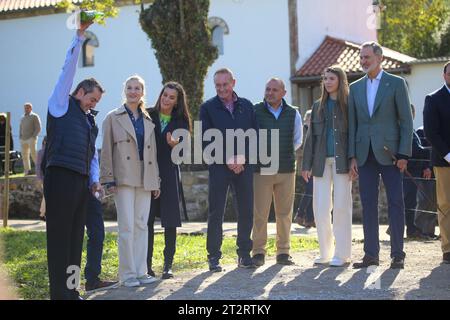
(119, 161)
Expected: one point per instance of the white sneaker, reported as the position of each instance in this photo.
(338, 262)
(146, 279)
(321, 261)
(133, 282)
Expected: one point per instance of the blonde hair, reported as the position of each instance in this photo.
(142, 103)
(343, 91)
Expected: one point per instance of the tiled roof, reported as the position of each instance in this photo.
(431, 60)
(335, 51)
(19, 5)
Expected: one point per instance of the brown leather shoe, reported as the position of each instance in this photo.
(446, 258)
(366, 262)
(259, 259)
(299, 220)
(285, 259)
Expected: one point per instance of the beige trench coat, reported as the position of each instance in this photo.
(119, 161)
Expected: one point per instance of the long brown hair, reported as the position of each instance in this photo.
(343, 90)
(181, 108)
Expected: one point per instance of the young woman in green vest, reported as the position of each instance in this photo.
(325, 158)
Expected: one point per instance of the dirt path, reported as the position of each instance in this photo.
(424, 277)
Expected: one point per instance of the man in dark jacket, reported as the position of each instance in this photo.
(436, 119)
(70, 160)
(223, 112)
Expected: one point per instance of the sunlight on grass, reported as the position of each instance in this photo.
(25, 257)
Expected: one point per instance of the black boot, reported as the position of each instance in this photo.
(170, 235)
(167, 272)
(150, 272)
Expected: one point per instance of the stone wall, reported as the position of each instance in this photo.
(26, 195)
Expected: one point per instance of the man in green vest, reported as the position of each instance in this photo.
(275, 114)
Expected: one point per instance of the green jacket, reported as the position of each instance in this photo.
(315, 149)
(391, 124)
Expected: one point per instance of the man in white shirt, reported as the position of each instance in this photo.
(275, 113)
(380, 142)
(436, 120)
(71, 169)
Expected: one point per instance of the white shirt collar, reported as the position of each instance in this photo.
(378, 77)
(447, 87)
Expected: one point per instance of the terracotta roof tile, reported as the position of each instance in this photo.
(337, 51)
(18, 5)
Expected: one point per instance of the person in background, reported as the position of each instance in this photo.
(3, 140)
(40, 168)
(305, 212)
(426, 218)
(418, 167)
(30, 127)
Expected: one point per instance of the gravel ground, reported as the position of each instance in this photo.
(424, 277)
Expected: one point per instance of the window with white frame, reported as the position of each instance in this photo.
(218, 28)
(88, 49)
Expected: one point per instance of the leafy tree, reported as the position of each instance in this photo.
(182, 41)
(414, 27)
(180, 36)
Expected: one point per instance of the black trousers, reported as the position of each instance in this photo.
(66, 195)
(170, 242)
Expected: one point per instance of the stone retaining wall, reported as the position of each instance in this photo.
(26, 195)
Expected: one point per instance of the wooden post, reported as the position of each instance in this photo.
(6, 185)
(293, 47)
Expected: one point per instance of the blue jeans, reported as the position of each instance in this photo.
(96, 235)
(369, 180)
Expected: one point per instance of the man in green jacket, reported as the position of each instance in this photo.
(380, 141)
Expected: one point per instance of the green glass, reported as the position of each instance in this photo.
(91, 15)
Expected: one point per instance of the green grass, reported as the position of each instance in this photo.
(25, 257)
(12, 176)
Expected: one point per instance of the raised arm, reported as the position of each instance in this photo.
(58, 103)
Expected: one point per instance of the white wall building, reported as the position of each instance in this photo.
(34, 41)
(426, 76)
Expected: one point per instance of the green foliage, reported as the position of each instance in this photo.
(25, 257)
(108, 7)
(414, 27)
(182, 42)
(444, 49)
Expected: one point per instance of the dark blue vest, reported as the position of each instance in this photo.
(71, 139)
